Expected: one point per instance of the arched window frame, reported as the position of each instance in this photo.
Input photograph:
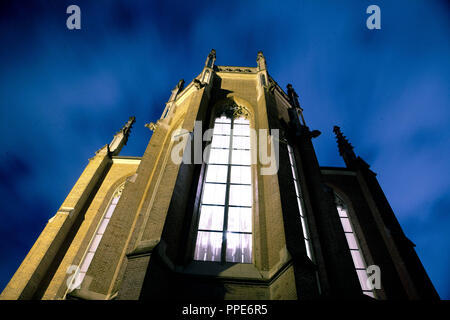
(98, 235)
(359, 261)
(231, 132)
(301, 205)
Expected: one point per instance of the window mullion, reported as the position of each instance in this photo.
(227, 196)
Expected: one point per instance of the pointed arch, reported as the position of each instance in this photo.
(112, 199)
(225, 228)
(236, 105)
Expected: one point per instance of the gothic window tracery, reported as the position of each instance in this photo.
(225, 226)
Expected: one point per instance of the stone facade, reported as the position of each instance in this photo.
(146, 251)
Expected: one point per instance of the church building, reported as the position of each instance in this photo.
(228, 201)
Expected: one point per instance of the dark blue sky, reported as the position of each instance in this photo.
(63, 94)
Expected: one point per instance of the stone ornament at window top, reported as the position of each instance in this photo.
(119, 191)
(233, 111)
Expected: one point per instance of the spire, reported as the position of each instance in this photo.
(121, 137)
(127, 127)
(293, 97)
(262, 65)
(345, 148)
(262, 70)
(211, 59)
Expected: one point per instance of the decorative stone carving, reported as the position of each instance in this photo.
(121, 137)
(343, 144)
(232, 110)
(127, 127)
(235, 69)
(119, 191)
(152, 126)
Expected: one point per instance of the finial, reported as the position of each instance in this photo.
(127, 127)
(261, 61)
(344, 146)
(211, 59)
(180, 85)
(175, 91)
(121, 137)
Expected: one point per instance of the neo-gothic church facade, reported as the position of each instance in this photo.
(223, 228)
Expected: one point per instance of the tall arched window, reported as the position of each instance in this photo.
(95, 241)
(354, 247)
(225, 226)
(301, 205)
